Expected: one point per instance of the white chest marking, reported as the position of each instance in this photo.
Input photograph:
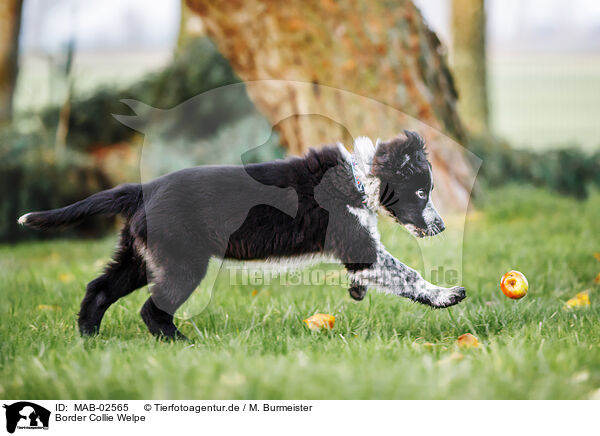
(366, 219)
(284, 264)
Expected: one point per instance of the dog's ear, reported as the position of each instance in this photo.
(412, 152)
(382, 153)
(400, 156)
(414, 142)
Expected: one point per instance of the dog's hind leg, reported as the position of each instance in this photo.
(125, 274)
(172, 288)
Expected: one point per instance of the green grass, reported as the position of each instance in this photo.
(249, 346)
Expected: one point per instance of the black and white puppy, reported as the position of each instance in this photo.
(325, 203)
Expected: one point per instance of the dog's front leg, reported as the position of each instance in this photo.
(357, 291)
(390, 275)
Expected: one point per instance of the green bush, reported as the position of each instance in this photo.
(32, 178)
(199, 68)
(568, 170)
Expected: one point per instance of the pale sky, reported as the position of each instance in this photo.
(530, 25)
(538, 25)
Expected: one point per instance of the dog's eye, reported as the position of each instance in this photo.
(421, 194)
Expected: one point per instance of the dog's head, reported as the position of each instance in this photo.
(405, 180)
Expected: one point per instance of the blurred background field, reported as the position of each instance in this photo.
(528, 115)
(543, 60)
(522, 109)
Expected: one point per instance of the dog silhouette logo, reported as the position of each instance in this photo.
(26, 415)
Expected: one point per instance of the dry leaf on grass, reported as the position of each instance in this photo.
(582, 299)
(319, 321)
(467, 341)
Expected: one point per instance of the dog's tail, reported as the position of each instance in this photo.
(124, 200)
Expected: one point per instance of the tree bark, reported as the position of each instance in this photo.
(10, 24)
(324, 56)
(468, 62)
(190, 27)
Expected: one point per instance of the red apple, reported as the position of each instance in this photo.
(514, 285)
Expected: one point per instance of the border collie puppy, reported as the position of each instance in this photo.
(325, 203)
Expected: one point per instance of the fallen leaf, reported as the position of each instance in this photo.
(451, 358)
(48, 307)
(319, 321)
(467, 341)
(581, 299)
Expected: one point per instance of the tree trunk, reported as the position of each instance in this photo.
(324, 56)
(190, 27)
(469, 63)
(10, 23)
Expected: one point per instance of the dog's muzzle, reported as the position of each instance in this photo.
(432, 230)
(436, 227)
(433, 220)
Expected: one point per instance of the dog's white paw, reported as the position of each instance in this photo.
(446, 297)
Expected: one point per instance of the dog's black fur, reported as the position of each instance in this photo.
(286, 208)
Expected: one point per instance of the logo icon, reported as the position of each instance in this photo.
(26, 415)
